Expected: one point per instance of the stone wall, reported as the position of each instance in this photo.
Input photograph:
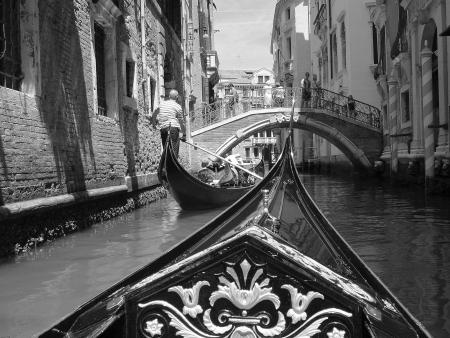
(52, 140)
(21, 234)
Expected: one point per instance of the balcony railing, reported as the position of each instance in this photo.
(320, 19)
(212, 61)
(256, 141)
(320, 99)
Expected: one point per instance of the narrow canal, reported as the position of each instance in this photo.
(403, 236)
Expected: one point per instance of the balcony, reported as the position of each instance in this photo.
(262, 141)
(320, 22)
(212, 60)
(212, 64)
(418, 9)
(288, 66)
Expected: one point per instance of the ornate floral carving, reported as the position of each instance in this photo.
(300, 302)
(245, 304)
(335, 333)
(153, 327)
(190, 298)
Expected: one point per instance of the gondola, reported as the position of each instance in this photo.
(271, 265)
(190, 192)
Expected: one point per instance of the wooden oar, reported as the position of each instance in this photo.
(223, 159)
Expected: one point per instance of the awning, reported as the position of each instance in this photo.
(446, 32)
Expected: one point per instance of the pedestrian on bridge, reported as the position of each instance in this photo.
(316, 92)
(351, 107)
(168, 118)
(232, 100)
(305, 85)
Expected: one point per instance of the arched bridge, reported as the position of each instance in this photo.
(356, 132)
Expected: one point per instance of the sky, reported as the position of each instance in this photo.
(245, 28)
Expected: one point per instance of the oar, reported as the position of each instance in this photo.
(223, 159)
(291, 120)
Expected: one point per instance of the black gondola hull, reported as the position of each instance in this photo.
(190, 192)
(271, 265)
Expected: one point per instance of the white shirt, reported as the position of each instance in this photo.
(169, 113)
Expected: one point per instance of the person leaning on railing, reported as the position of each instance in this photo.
(316, 92)
(305, 85)
(351, 106)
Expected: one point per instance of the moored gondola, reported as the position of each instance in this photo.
(190, 192)
(271, 265)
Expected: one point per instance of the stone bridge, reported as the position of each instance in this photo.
(357, 134)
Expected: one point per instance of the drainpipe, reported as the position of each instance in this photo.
(145, 74)
(187, 121)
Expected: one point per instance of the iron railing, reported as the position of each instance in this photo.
(323, 99)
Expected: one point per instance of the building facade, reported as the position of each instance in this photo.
(291, 50)
(340, 66)
(250, 84)
(202, 62)
(410, 70)
(78, 81)
(290, 43)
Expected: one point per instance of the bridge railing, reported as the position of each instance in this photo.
(339, 104)
(227, 107)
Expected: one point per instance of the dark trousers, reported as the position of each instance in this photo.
(174, 136)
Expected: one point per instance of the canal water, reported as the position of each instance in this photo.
(402, 235)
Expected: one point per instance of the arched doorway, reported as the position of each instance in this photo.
(429, 39)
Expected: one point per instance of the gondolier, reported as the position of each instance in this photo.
(168, 118)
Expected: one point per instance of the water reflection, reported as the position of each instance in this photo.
(403, 236)
(41, 287)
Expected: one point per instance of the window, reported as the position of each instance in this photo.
(260, 79)
(382, 58)
(406, 116)
(255, 152)
(289, 48)
(10, 62)
(325, 65)
(152, 93)
(99, 41)
(205, 89)
(129, 73)
(288, 13)
(333, 54)
(266, 78)
(343, 46)
(375, 44)
(172, 11)
(385, 119)
(247, 152)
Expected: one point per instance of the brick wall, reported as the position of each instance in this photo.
(55, 142)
